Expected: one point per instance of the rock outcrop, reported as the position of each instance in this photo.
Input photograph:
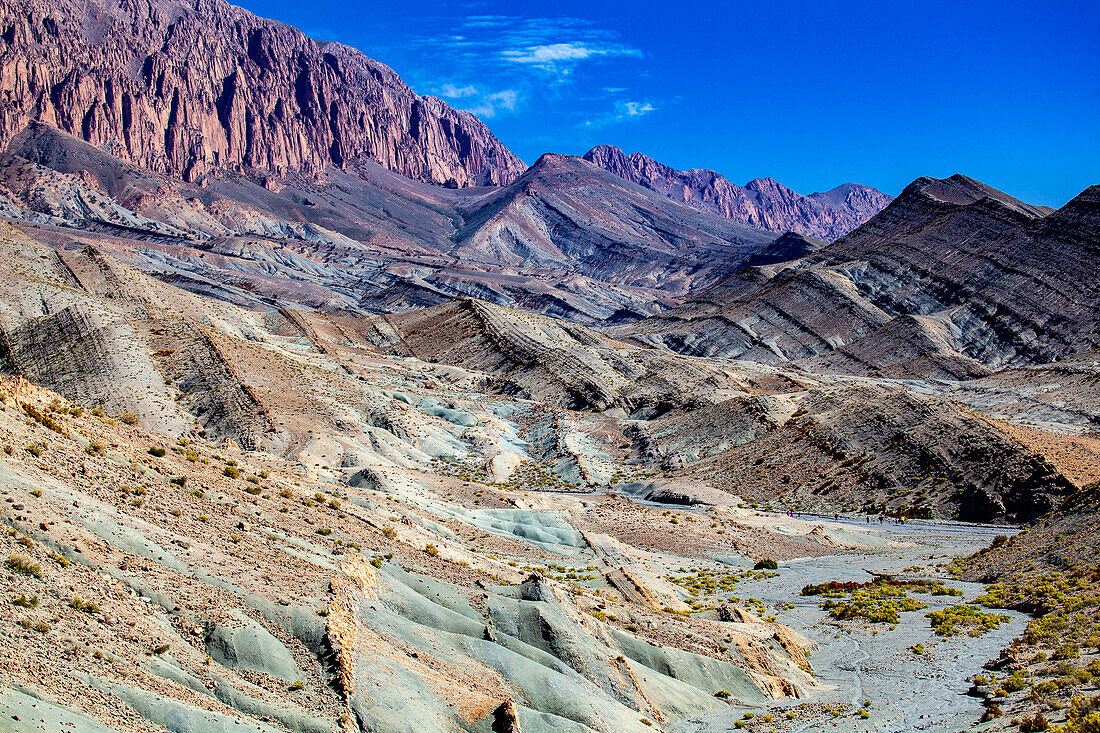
(763, 202)
(200, 86)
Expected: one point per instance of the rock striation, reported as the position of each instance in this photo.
(190, 88)
(953, 279)
(763, 202)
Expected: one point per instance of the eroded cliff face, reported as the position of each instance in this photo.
(191, 87)
(763, 202)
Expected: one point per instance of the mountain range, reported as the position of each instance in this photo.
(320, 411)
(763, 202)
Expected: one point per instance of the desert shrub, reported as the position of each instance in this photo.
(161, 649)
(431, 550)
(991, 712)
(23, 601)
(389, 532)
(180, 481)
(766, 564)
(286, 493)
(1034, 725)
(157, 451)
(956, 619)
(1015, 682)
(231, 471)
(44, 419)
(1066, 651)
(36, 449)
(323, 531)
(59, 559)
(79, 604)
(253, 490)
(95, 449)
(23, 566)
(128, 417)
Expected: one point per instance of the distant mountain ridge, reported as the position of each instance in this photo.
(954, 279)
(763, 203)
(193, 87)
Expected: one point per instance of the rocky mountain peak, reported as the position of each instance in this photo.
(188, 88)
(763, 203)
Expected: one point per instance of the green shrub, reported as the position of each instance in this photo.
(954, 620)
(1066, 651)
(23, 566)
(766, 564)
(79, 604)
(23, 601)
(231, 471)
(157, 451)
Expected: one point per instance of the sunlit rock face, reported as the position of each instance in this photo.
(194, 87)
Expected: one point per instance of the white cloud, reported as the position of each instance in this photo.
(624, 109)
(450, 91)
(482, 104)
(560, 58)
(635, 109)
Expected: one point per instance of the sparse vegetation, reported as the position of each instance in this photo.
(79, 604)
(23, 566)
(956, 619)
(44, 419)
(22, 601)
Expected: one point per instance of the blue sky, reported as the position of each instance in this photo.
(811, 94)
